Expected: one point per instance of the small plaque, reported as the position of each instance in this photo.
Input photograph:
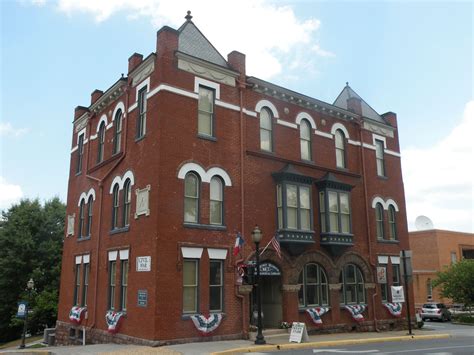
(142, 298)
(143, 201)
(70, 224)
(143, 263)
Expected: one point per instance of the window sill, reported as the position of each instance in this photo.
(119, 230)
(138, 139)
(79, 173)
(84, 238)
(382, 177)
(206, 137)
(388, 241)
(204, 226)
(105, 162)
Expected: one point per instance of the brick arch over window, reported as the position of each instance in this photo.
(303, 115)
(103, 118)
(120, 180)
(340, 126)
(265, 103)
(354, 258)
(119, 106)
(85, 196)
(316, 257)
(205, 176)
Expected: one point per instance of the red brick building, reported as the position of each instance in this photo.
(170, 163)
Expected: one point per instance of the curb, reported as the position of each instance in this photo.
(290, 346)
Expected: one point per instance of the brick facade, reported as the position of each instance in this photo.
(171, 148)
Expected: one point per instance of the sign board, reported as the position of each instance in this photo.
(298, 333)
(22, 309)
(142, 299)
(397, 294)
(143, 263)
(381, 275)
(268, 269)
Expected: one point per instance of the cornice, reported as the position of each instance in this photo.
(111, 94)
(204, 63)
(144, 69)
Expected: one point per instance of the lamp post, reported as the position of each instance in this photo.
(256, 238)
(29, 286)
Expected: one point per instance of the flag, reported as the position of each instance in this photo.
(239, 241)
(276, 245)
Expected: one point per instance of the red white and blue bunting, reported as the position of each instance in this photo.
(113, 321)
(76, 315)
(356, 311)
(207, 325)
(395, 308)
(316, 313)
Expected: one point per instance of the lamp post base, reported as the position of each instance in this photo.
(260, 340)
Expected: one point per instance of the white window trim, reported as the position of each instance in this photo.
(205, 176)
(191, 253)
(265, 103)
(210, 84)
(119, 106)
(113, 255)
(382, 259)
(395, 260)
(340, 126)
(78, 259)
(385, 204)
(85, 196)
(217, 254)
(376, 137)
(103, 118)
(86, 258)
(123, 254)
(303, 115)
(120, 180)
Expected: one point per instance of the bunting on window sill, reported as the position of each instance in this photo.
(207, 325)
(316, 313)
(76, 315)
(113, 321)
(395, 308)
(356, 311)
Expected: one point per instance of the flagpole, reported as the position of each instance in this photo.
(266, 247)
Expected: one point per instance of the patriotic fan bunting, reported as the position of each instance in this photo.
(113, 321)
(395, 308)
(207, 325)
(316, 314)
(77, 314)
(356, 311)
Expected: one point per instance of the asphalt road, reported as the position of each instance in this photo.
(461, 342)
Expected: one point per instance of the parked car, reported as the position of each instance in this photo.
(435, 311)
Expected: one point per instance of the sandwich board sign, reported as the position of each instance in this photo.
(298, 333)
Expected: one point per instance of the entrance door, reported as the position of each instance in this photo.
(271, 301)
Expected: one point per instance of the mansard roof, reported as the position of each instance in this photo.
(191, 41)
(367, 111)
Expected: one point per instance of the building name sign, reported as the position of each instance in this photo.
(143, 263)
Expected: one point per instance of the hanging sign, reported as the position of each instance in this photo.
(298, 333)
(397, 294)
(381, 275)
(143, 263)
(22, 309)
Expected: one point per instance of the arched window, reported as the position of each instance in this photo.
(353, 288)
(392, 225)
(101, 137)
(314, 286)
(81, 218)
(191, 198)
(266, 135)
(340, 149)
(127, 198)
(117, 131)
(115, 207)
(305, 140)
(89, 216)
(216, 199)
(379, 220)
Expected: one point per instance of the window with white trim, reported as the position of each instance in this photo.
(127, 199)
(117, 131)
(216, 201)
(379, 155)
(305, 140)
(314, 286)
(112, 281)
(392, 223)
(101, 139)
(335, 212)
(206, 111)
(379, 221)
(80, 153)
(141, 121)
(294, 206)
(82, 208)
(85, 281)
(115, 207)
(266, 130)
(90, 203)
(191, 197)
(340, 142)
(123, 285)
(190, 285)
(77, 284)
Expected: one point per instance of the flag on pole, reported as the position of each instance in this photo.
(239, 241)
(276, 245)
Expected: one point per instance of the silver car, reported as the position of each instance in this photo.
(435, 311)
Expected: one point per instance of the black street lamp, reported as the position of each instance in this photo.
(256, 238)
(29, 286)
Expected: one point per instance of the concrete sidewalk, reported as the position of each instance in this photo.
(274, 343)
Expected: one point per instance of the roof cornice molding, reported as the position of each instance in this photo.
(143, 69)
(111, 94)
(206, 64)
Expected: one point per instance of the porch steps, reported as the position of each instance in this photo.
(270, 333)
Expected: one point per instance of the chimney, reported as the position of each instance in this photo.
(166, 42)
(79, 111)
(237, 62)
(354, 104)
(134, 61)
(391, 118)
(96, 94)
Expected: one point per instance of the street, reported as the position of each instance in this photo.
(461, 342)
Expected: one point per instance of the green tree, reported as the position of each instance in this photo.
(31, 239)
(457, 282)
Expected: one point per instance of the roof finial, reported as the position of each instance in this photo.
(347, 83)
(188, 17)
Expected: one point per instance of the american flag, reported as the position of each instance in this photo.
(276, 245)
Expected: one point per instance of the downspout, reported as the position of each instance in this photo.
(369, 238)
(101, 192)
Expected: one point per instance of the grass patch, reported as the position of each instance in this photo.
(465, 318)
(35, 346)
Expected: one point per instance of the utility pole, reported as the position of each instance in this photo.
(405, 275)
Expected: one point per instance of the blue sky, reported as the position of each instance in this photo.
(415, 59)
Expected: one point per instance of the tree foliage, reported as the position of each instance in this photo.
(457, 282)
(31, 239)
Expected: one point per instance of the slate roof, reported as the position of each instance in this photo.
(191, 41)
(367, 111)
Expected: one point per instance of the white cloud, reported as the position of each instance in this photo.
(6, 129)
(264, 30)
(439, 181)
(9, 193)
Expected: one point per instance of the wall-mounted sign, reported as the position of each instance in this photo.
(143, 263)
(381, 275)
(397, 294)
(142, 298)
(143, 197)
(268, 269)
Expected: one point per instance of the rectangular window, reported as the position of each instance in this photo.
(322, 212)
(395, 275)
(190, 286)
(338, 220)
(294, 206)
(333, 212)
(453, 257)
(205, 111)
(379, 154)
(141, 121)
(80, 153)
(123, 285)
(77, 284)
(85, 286)
(280, 207)
(291, 207)
(112, 275)
(216, 285)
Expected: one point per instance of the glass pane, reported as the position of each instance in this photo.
(344, 203)
(189, 299)
(291, 216)
(190, 210)
(324, 295)
(311, 295)
(360, 294)
(340, 158)
(345, 223)
(216, 189)
(305, 132)
(339, 139)
(379, 149)
(311, 274)
(333, 222)
(305, 150)
(350, 274)
(305, 219)
(380, 168)
(301, 297)
(205, 99)
(350, 293)
(383, 291)
(280, 217)
(190, 188)
(265, 120)
(265, 140)
(333, 206)
(215, 299)
(304, 197)
(360, 278)
(215, 273)
(291, 196)
(204, 123)
(279, 197)
(189, 273)
(216, 212)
